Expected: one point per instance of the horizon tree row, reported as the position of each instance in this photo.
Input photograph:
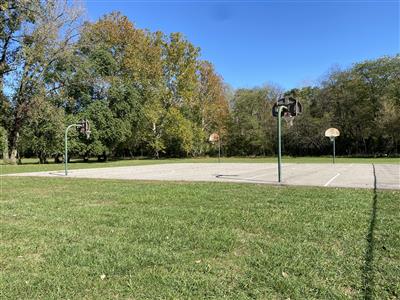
(362, 101)
(149, 94)
(142, 91)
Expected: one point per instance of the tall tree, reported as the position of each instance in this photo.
(212, 100)
(42, 132)
(306, 136)
(356, 97)
(35, 35)
(252, 128)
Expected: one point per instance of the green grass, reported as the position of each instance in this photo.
(160, 240)
(32, 165)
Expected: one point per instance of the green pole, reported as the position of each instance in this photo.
(219, 150)
(66, 148)
(334, 150)
(279, 141)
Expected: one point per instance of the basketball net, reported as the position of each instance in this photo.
(288, 118)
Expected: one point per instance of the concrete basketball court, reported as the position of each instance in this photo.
(383, 176)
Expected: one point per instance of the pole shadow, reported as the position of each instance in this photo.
(368, 268)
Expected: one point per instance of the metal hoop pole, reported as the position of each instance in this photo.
(279, 141)
(219, 150)
(334, 150)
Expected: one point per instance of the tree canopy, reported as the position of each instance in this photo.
(148, 93)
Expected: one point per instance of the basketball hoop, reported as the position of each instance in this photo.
(287, 116)
(332, 133)
(214, 137)
(85, 128)
(292, 106)
(286, 107)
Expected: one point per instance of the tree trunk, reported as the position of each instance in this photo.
(102, 157)
(12, 159)
(12, 146)
(13, 139)
(42, 157)
(5, 151)
(365, 146)
(57, 159)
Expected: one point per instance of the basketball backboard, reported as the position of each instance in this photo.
(214, 137)
(293, 106)
(332, 133)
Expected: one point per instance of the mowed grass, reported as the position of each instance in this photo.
(32, 165)
(109, 239)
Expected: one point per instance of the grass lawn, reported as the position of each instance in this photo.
(32, 165)
(109, 239)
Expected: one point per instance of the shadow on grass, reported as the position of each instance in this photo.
(368, 269)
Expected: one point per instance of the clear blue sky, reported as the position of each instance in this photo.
(290, 43)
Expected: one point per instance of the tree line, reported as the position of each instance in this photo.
(150, 94)
(362, 101)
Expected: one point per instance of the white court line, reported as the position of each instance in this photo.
(254, 177)
(261, 175)
(332, 179)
